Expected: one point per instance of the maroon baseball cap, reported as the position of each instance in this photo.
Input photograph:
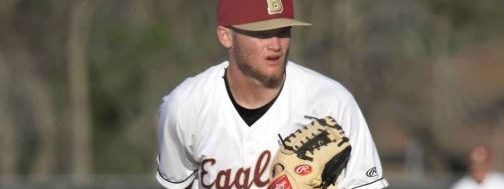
(257, 15)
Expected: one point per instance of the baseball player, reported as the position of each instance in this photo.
(223, 127)
(481, 174)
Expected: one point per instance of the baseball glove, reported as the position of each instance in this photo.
(311, 157)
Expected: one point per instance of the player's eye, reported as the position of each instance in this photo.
(285, 32)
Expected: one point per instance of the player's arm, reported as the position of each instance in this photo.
(364, 168)
(176, 168)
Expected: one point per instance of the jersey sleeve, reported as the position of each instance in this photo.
(176, 167)
(364, 170)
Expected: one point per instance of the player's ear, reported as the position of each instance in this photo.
(225, 36)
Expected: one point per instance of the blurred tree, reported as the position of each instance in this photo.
(80, 17)
(8, 157)
(8, 146)
(44, 120)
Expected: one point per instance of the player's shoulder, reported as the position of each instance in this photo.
(496, 177)
(191, 89)
(316, 82)
(466, 182)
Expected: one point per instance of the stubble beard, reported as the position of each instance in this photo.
(267, 80)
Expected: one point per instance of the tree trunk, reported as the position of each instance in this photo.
(44, 121)
(79, 89)
(8, 153)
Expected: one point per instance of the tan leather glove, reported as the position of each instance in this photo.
(311, 157)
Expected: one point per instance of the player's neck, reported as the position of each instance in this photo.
(479, 176)
(248, 92)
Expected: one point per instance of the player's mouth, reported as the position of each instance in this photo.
(273, 59)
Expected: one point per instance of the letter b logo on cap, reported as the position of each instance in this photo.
(275, 6)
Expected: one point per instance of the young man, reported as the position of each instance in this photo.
(219, 129)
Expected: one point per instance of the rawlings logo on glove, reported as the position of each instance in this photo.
(311, 157)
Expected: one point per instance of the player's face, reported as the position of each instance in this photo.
(262, 55)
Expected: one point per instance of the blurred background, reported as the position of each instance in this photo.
(81, 81)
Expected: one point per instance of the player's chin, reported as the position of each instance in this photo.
(272, 82)
(275, 71)
(273, 78)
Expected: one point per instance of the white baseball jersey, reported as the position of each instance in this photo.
(493, 180)
(202, 137)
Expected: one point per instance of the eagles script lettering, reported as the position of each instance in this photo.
(241, 178)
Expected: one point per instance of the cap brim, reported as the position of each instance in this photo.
(271, 24)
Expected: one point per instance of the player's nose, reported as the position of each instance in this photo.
(274, 43)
